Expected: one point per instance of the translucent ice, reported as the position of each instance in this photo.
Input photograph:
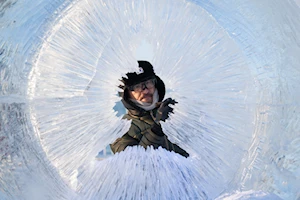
(233, 66)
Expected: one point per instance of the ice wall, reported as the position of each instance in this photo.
(233, 67)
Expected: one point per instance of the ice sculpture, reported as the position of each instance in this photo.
(233, 67)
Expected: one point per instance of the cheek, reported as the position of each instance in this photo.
(152, 90)
(134, 95)
(137, 95)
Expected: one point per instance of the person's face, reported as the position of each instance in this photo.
(143, 91)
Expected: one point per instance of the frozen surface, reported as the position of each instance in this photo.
(234, 68)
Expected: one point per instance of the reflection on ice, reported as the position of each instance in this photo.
(233, 67)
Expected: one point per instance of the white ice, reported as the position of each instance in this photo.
(233, 66)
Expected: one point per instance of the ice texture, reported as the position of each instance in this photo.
(233, 66)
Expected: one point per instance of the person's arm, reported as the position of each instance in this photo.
(150, 137)
(121, 143)
(153, 136)
(177, 149)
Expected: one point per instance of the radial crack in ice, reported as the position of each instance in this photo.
(63, 87)
(140, 174)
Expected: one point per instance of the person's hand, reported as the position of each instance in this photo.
(164, 110)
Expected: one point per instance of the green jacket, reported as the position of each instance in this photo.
(141, 131)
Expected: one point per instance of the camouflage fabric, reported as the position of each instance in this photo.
(141, 133)
(143, 130)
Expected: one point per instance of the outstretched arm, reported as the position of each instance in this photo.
(121, 143)
(149, 137)
(153, 136)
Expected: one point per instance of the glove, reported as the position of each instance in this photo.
(164, 110)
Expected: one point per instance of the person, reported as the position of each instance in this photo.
(142, 96)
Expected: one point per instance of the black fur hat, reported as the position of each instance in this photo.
(145, 72)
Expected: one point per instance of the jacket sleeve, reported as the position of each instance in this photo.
(121, 143)
(153, 137)
(156, 139)
(177, 149)
(137, 137)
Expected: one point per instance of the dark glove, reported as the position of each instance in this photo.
(164, 110)
(156, 129)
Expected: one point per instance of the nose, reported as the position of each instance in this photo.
(145, 89)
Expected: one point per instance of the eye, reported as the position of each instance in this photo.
(137, 86)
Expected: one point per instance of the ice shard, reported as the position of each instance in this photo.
(233, 66)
